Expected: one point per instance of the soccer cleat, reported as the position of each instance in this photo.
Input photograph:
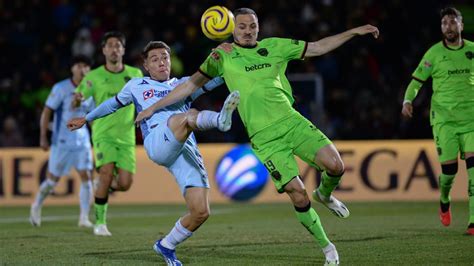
(35, 215)
(470, 229)
(332, 257)
(101, 230)
(224, 120)
(333, 204)
(168, 255)
(85, 222)
(445, 217)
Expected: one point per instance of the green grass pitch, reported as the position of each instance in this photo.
(384, 233)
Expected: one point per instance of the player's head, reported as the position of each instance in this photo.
(113, 46)
(156, 60)
(451, 24)
(246, 27)
(80, 65)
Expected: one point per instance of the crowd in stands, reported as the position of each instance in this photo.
(364, 80)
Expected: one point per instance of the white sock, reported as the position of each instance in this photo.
(331, 253)
(85, 195)
(44, 190)
(207, 120)
(177, 235)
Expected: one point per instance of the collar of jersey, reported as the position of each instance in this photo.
(246, 47)
(122, 70)
(452, 49)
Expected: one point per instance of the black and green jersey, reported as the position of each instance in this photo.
(452, 71)
(102, 84)
(258, 73)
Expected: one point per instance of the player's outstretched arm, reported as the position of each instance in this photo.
(44, 122)
(104, 109)
(179, 93)
(330, 43)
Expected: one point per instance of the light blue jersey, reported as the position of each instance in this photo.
(59, 100)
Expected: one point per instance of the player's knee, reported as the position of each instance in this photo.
(449, 169)
(191, 117)
(335, 168)
(125, 185)
(201, 215)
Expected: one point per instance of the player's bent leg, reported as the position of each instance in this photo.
(85, 196)
(310, 219)
(45, 189)
(330, 160)
(180, 126)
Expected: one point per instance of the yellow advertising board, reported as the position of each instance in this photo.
(375, 170)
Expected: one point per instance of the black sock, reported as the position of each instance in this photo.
(444, 206)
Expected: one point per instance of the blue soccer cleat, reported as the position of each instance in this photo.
(168, 255)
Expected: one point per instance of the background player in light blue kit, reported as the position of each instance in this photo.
(68, 149)
(168, 137)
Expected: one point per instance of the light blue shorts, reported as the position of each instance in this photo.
(183, 160)
(61, 160)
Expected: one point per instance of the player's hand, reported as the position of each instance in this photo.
(76, 123)
(142, 116)
(77, 99)
(44, 144)
(407, 110)
(363, 30)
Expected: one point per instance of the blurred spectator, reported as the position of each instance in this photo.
(11, 136)
(82, 44)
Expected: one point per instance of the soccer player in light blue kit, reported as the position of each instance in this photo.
(68, 149)
(168, 137)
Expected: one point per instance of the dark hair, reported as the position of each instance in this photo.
(154, 45)
(113, 34)
(450, 11)
(244, 11)
(80, 59)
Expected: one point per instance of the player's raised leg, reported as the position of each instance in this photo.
(328, 158)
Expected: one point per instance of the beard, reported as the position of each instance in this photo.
(451, 36)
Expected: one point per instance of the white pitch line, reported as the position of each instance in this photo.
(49, 218)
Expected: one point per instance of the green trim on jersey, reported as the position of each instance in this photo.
(452, 71)
(258, 73)
(102, 84)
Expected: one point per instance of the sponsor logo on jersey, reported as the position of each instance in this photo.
(144, 82)
(459, 71)
(148, 94)
(257, 67)
(427, 64)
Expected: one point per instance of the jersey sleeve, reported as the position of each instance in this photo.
(425, 68)
(86, 87)
(124, 97)
(212, 66)
(55, 97)
(291, 49)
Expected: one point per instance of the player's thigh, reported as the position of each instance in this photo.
(161, 146)
(446, 141)
(83, 160)
(105, 153)
(307, 141)
(467, 143)
(126, 158)
(188, 172)
(179, 126)
(60, 161)
(277, 156)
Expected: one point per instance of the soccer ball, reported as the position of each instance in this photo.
(217, 23)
